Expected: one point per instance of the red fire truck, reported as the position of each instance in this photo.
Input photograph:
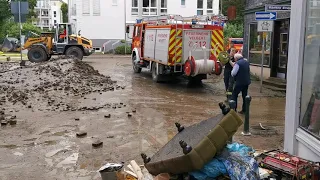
(176, 45)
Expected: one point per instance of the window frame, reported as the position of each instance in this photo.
(183, 4)
(149, 9)
(210, 9)
(164, 8)
(302, 114)
(135, 8)
(199, 8)
(83, 7)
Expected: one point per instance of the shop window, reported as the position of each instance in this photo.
(310, 89)
(134, 8)
(199, 7)
(255, 47)
(149, 8)
(163, 9)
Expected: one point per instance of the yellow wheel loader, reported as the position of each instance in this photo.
(63, 41)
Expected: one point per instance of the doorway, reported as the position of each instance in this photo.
(280, 49)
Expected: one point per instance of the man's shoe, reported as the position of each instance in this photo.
(242, 112)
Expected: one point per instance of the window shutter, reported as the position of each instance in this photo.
(86, 7)
(96, 7)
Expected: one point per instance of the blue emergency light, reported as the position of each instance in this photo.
(139, 21)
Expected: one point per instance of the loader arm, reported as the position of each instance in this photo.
(32, 41)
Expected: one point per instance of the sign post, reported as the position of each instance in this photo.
(21, 9)
(265, 24)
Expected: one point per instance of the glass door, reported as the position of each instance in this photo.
(283, 55)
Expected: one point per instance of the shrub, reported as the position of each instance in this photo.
(123, 41)
(121, 50)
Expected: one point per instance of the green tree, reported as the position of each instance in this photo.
(12, 29)
(64, 10)
(233, 30)
(5, 11)
(240, 6)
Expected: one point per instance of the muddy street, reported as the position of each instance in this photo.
(54, 113)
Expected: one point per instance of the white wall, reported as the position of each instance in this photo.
(58, 17)
(109, 25)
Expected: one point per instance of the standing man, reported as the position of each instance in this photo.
(231, 46)
(241, 73)
(228, 80)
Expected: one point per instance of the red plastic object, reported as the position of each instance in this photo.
(189, 66)
(291, 165)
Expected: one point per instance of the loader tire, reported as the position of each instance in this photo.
(48, 57)
(37, 54)
(75, 51)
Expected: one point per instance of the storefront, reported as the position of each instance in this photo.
(302, 122)
(276, 47)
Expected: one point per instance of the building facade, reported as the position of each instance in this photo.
(276, 46)
(104, 21)
(302, 124)
(48, 13)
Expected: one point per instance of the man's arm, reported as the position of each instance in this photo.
(235, 70)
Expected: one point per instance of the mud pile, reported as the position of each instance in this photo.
(51, 85)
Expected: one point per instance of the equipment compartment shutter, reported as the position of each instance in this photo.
(86, 7)
(96, 7)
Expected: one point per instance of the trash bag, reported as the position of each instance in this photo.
(212, 169)
(234, 161)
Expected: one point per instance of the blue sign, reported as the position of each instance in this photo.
(265, 16)
(274, 8)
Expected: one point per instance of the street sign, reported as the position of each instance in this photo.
(265, 16)
(24, 7)
(265, 26)
(275, 8)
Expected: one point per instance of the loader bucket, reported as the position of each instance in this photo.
(9, 44)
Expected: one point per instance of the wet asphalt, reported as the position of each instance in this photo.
(44, 145)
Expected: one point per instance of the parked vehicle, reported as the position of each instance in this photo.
(176, 45)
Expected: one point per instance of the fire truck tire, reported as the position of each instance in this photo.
(37, 54)
(155, 75)
(136, 69)
(75, 52)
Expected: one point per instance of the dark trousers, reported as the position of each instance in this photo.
(244, 91)
(226, 78)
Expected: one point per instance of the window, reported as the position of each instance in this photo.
(212, 8)
(96, 7)
(310, 88)
(183, 2)
(199, 7)
(255, 47)
(85, 7)
(55, 21)
(74, 10)
(54, 13)
(114, 2)
(163, 9)
(149, 8)
(134, 7)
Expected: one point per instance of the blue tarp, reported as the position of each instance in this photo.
(234, 161)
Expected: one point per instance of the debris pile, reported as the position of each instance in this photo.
(51, 84)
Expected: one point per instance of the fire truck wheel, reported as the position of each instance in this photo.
(37, 54)
(136, 69)
(155, 75)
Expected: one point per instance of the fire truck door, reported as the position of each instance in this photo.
(137, 38)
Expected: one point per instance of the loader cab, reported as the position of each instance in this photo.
(62, 36)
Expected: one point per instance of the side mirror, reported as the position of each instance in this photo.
(79, 33)
(128, 29)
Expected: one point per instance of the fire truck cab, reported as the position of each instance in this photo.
(176, 45)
